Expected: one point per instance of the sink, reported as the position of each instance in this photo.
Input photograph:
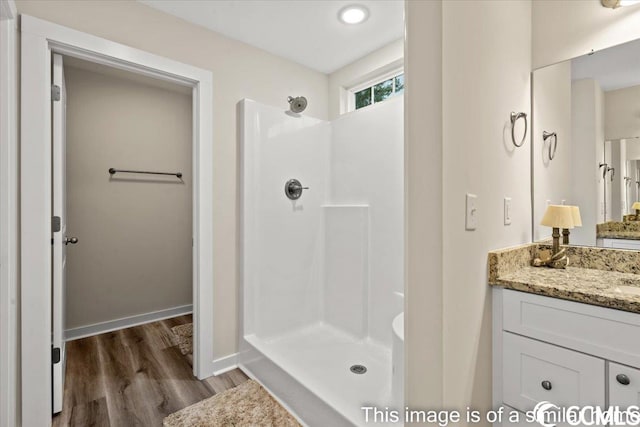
(629, 290)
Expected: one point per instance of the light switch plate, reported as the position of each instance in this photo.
(471, 217)
(507, 211)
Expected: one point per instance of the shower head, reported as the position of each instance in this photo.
(297, 104)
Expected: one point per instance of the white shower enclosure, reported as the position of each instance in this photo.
(322, 276)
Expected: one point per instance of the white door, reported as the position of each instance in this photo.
(60, 239)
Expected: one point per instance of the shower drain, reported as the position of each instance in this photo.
(358, 369)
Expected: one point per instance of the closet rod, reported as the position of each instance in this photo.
(113, 171)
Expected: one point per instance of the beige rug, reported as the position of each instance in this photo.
(247, 405)
(184, 337)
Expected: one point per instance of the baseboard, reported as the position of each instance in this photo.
(225, 364)
(126, 322)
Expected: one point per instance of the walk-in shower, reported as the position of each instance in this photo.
(322, 261)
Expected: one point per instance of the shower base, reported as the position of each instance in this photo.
(314, 364)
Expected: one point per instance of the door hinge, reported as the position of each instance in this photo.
(55, 92)
(55, 355)
(55, 224)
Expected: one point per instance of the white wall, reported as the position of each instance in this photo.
(367, 159)
(587, 121)
(622, 113)
(239, 71)
(378, 62)
(565, 29)
(551, 113)
(486, 75)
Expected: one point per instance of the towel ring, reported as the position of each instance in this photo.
(552, 151)
(514, 119)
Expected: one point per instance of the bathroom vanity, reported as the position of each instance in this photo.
(570, 337)
(619, 234)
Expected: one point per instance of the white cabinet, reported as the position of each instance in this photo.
(624, 386)
(563, 352)
(621, 244)
(534, 371)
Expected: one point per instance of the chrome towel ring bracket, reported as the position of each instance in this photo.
(605, 168)
(553, 143)
(514, 118)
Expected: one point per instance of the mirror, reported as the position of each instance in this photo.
(592, 104)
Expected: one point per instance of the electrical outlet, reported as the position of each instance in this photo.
(471, 218)
(507, 211)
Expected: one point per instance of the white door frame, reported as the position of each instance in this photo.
(39, 39)
(8, 213)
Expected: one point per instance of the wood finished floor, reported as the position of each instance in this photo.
(133, 377)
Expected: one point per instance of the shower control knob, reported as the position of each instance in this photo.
(293, 189)
(72, 240)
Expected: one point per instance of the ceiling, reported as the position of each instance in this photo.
(614, 68)
(304, 31)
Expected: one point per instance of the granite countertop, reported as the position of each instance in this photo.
(604, 277)
(626, 235)
(628, 230)
(584, 285)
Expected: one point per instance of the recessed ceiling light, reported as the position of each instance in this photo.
(353, 14)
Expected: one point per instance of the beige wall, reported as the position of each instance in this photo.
(457, 142)
(380, 61)
(622, 113)
(134, 250)
(564, 29)
(587, 129)
(423, 197)
(239, 71)
(486, 75)
(552, 113)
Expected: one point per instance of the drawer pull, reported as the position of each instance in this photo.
(623, 379)
(546, 385)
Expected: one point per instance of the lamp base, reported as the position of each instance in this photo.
(548, 259)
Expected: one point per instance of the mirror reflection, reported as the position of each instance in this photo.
(592, 106)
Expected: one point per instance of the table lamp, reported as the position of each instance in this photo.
(636, 207)
(557, 217)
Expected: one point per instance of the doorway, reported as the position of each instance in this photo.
(42, 40)
(122, 186)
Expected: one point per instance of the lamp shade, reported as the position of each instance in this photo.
(635, 206)
(577, 219)
(558, 216)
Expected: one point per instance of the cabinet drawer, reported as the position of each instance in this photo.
(624, 386)
(602, 332)
(533, 372)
